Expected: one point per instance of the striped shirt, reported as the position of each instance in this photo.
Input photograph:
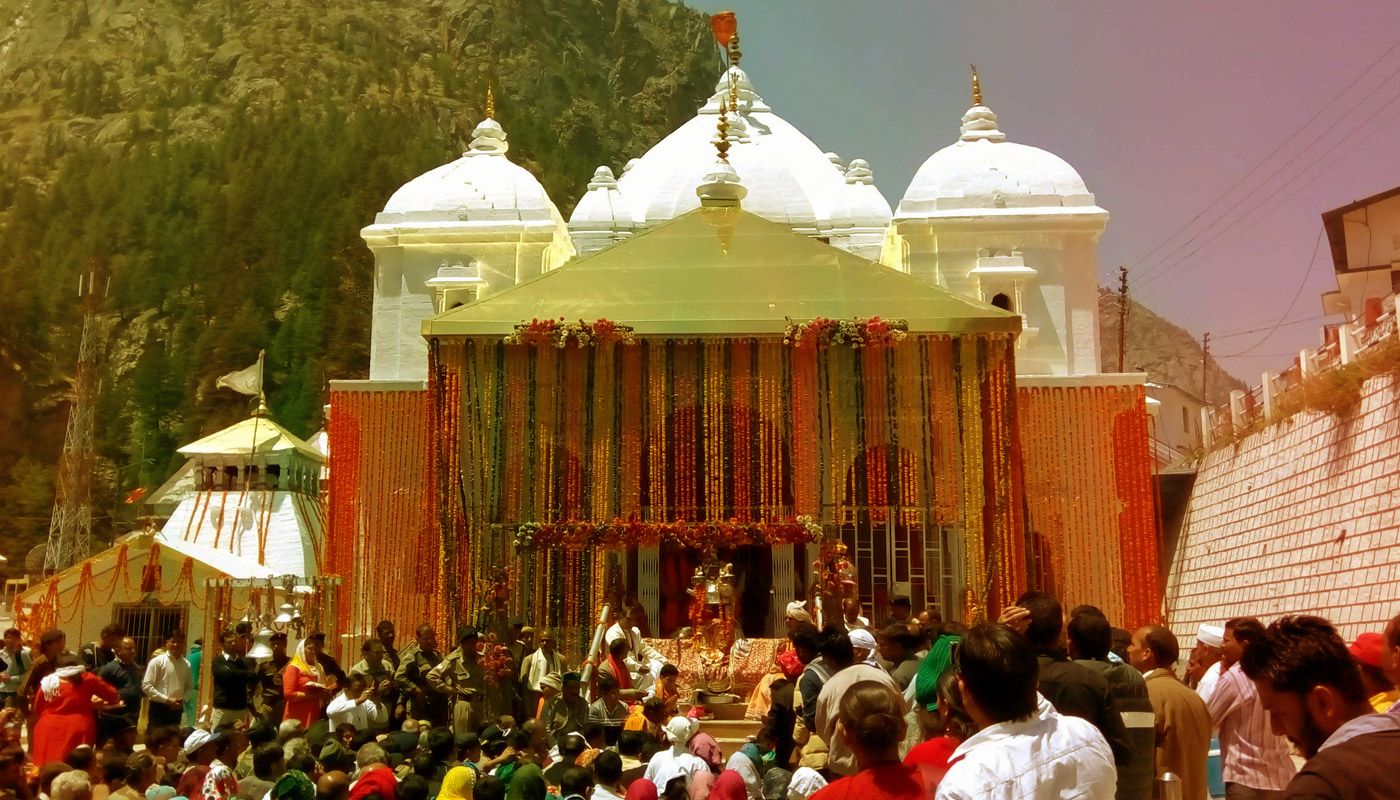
(1254, 757)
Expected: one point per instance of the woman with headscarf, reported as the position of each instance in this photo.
(304, 684)
(641, 789)
(65, 710)
(457, 784)
(938, 713)
(805, 783)
(729, 786)
(293, 785)
(748, 762)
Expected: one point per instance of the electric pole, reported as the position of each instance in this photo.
(1205, 357)
(70, 528)
(1122, 317)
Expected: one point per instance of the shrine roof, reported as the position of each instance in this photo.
(256, 436)
(722, 271)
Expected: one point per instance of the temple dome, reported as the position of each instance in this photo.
(789, 179)
(984, 171)
(481, 186)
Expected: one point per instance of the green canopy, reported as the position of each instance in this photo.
(722, 271)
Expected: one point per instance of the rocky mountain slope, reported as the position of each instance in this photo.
(220, 158)
(1166, 352)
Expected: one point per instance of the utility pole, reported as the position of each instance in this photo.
(1122, 317)
(1205, 358)
(70, 528)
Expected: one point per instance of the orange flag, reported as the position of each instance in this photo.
(724, 25)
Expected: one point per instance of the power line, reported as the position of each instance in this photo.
(1336, 97)
(1317, 245)
(1276, 199)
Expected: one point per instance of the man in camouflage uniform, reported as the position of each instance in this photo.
(460, 681)
(415, 662)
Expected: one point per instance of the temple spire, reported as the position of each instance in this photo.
(976, 87)
(491, 102)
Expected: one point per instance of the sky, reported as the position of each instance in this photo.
(1215, 133)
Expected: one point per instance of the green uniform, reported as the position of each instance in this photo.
(463, 685)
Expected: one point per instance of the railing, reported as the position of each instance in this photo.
(1343, 344)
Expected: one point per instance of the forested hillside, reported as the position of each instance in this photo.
(220, 158)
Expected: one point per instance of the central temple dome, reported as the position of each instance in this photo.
(789, 179)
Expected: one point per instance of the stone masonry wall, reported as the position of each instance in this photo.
(1302, 517)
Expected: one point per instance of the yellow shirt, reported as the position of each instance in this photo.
(1383, 701)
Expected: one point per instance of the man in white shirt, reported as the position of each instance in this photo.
(168, 682)
(1206, 656)
(643, 660)
(357, 705)
(1023, 748)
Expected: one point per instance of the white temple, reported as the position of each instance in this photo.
(1001, 222)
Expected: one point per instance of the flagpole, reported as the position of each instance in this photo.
(262, 398)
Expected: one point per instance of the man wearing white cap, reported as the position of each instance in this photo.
(642, 659)
(667, 764)
(863, 642)
(1204, 666)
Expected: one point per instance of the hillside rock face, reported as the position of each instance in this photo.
(1168, 353)
(219, 159)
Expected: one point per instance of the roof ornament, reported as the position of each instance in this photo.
(979, 123)
(726, 28)
(721, 187)
(488, 137)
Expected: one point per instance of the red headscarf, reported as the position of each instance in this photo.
(790, 664)
(641, 789)
(728, 786)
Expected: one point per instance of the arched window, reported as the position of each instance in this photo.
(1000, 300)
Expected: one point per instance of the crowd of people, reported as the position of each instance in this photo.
(1039, 704)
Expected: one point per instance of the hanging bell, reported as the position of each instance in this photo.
(262, 645)
(285, 612)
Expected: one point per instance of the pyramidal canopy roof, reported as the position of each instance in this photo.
(256, 436)
(722, 271)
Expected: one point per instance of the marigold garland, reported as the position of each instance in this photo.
(577, 535)
(559, 333)
(821, 332)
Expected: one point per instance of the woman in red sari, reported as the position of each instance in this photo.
(65, 709)
(304, 684)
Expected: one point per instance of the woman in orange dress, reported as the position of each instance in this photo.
(67, 717)
(304, 684)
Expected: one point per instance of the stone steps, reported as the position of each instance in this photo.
(727, 725)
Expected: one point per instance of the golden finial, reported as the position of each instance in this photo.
(490, 102)
(976, 87)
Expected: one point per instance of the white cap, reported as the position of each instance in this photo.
(1211, 635)
(197, 739)
(862, 639)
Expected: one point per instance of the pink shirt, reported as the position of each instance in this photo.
(1253, 756)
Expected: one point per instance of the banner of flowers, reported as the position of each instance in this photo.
(821, 332)
(497, 666)
(694, 535)
(558, 332)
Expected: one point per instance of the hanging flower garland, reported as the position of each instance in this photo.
(559, 333)
(819, 333)
(495, 661)
(693, 535)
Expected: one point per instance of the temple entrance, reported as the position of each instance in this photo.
(753, 599)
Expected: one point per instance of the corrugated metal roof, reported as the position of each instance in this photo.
(257, 435)
(723, 271)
